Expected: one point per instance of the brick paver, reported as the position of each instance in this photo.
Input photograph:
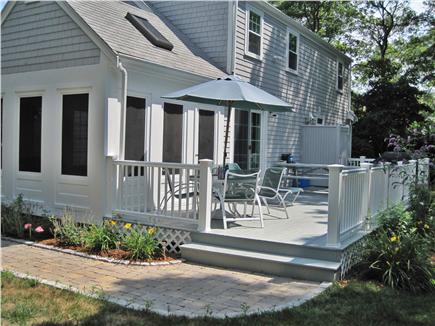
(183, 289)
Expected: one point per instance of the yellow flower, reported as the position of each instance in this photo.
(127, 226)
(393, 238)
(113, 222)
(152, 230)
(426, 226)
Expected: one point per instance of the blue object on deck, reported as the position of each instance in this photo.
(304, 183)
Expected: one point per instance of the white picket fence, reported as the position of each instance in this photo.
(357, 195)
(164, 194)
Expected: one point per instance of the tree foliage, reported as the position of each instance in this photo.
(393, 71)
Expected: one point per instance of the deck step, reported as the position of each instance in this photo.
(282, 265)
(271, 247)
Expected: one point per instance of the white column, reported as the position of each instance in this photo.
(205, 193)
(367, 190)
(387, 167)
(334, 194)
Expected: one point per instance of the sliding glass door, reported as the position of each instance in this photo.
(247, 139)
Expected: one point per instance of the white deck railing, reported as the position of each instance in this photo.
(164, 194)
(357, 161)
(356, 196)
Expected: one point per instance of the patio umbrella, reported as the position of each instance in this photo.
(232, 92)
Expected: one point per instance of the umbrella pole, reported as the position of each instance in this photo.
(226, 132)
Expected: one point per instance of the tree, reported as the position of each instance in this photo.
(377, 26)
(387, 108)
(329, 19)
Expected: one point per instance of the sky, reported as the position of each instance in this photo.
(417, 5)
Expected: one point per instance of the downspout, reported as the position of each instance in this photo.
(232, 34)
(123, 107)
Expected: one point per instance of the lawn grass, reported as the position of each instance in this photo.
(25, 302)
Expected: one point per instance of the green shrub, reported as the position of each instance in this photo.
(141, 244)
(422, 207)
(66, 230)
(397, 254)
(14, 216)
(100, 237)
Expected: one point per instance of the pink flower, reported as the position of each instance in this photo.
(27, 226)
(39, 229)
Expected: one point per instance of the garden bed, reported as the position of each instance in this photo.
(116, 256)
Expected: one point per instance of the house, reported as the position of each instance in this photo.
(69, 67)
(84, 124)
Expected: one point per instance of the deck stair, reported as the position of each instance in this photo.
(282, 259)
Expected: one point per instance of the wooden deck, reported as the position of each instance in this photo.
(306, 226)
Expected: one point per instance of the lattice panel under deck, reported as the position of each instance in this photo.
(174, 238)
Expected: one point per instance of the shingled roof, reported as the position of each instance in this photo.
(107, 19)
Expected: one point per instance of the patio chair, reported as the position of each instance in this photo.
(179, 190)
(270, 188)
(239, 189)
(234, 167)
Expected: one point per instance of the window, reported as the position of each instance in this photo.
(172, 132)
(149, 31)
(339, 76)
(254, 34)
(75, 134)
(206, 135)
(293, 50)
(320, 121)
(135, 129)
(30, 134)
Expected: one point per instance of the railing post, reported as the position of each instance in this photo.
(387, 166)
(334, 194)
(367, 192)
(111, 184)
(362, 159)
(205, 193)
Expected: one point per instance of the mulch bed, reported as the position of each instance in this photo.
(118, 254)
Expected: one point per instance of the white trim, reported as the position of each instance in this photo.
(74, 90)
(295, 33)
(248, 11)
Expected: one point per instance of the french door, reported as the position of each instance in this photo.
(247, 139)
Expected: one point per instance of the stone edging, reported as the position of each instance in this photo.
(93, 293)
(94, 257)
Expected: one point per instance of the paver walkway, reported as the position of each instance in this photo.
(183, 289)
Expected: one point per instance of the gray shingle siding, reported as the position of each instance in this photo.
(313, 89)
(204, 22)
(39, 36)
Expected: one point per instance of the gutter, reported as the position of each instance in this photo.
(123, 107)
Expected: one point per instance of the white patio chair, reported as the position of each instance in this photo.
(183, 191)
(270, 189)
(240, 189)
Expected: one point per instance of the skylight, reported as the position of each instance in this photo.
(149, 31)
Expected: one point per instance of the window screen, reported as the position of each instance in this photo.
(30, 134)
(340, 76)
(75, 134)
(135, 129)
(292, 51)
(172, 132)
(206, 135)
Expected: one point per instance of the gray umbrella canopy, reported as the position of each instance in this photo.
(231, 91)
